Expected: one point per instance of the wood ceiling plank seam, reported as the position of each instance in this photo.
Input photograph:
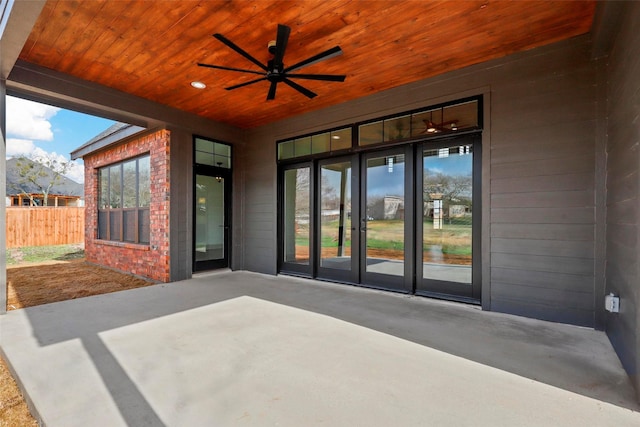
(121, 51)
(83, 21)
(36, 32)
(69, 12)
(180, 60)
(44, 49)
(91, 44)
(110, 18)
(129, 36)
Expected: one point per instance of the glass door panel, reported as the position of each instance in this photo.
(447, 219)
(211, 228)
(335, 210)
(382, 223)
(297, 220)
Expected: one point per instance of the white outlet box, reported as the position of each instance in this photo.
(612, 303)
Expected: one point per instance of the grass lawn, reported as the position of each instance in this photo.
(453, 240)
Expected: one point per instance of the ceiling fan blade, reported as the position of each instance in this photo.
(246, 83)
(272, 91)
(233, 46)
(324, 77)
(281, 44)
(300, 89)
(220, 67)
(330, 53)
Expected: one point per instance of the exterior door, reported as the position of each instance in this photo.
(449, 255)
(338, 213)
(211, 218)
(385, 225)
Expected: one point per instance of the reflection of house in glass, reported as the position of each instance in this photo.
(393, 207)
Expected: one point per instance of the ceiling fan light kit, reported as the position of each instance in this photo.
(275, 71)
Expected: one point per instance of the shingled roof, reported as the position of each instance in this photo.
(66, 186)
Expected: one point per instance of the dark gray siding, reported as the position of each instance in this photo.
(623, 191)
(181, 218)
(543, 187)
(538, 176)
(256, 221)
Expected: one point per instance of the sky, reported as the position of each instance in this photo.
(38, 130)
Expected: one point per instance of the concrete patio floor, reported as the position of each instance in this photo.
(238, 348)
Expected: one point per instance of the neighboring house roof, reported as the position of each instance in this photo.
(111, 135)
(16, 184)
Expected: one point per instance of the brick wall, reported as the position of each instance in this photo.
(151, 260)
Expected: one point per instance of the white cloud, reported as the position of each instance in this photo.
(20, 147)
(29, 120)
(76, 172)
(24, 147)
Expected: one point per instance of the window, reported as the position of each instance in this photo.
(325, 142)
(124, 197)
(445, 119)
(212, 153)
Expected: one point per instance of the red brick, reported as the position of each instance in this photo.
(151, 260)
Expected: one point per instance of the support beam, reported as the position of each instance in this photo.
(3, 191)
(16, 21)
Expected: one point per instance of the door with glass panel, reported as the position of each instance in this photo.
(337, 210)
(211, 212)
(211, 204)
(297, 220)
(385, 223)
(448, 256)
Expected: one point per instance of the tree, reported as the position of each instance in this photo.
(41, 173)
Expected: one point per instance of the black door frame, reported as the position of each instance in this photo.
(306, 270)
(388, 282)
(412, 281)
(213, 171)
(440, 288)
(353, 275)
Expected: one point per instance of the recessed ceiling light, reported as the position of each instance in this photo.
(198, 85)
(335, 137)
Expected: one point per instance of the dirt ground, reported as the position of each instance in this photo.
(46, 282)
(29, 285)
(13, 409)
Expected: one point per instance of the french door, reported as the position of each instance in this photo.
(338, 213)
(402, 219)
(448, 218)
(386, 235)
(211, 217)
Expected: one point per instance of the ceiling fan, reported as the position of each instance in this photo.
(275, 71)
(431, 127)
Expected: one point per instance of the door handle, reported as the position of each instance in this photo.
(363, 225)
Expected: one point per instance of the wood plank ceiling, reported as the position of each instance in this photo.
(150, 49)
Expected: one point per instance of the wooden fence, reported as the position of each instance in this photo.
(43, 226)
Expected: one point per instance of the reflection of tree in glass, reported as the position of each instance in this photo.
(330, 196)
(129, 184)
(144, 182)
(451, 189)
(302, 191)
(114, 187)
